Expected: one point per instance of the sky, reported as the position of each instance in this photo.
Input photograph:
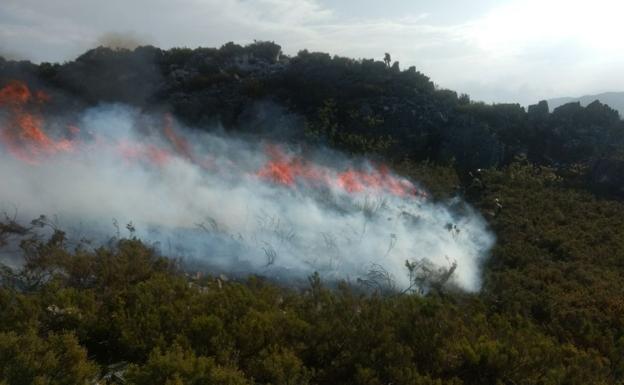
(517, 51)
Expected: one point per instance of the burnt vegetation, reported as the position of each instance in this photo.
(550, 183)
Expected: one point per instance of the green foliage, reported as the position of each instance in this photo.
(178, 366)
(326, 129)
(56, 359)
(265, 50)
(177, 56)
(533, 323)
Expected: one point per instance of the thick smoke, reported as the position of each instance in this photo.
(233, 205)
(117, 40)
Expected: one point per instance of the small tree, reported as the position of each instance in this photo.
(424, 276)
(387, 59)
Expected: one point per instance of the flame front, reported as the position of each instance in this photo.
(232, 203)
(288, 170)
(23, 134)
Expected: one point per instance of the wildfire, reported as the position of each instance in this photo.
(150, 153)
(287, 170)
(377, 179)
(179, 143)
(23, 133)
(15, 93)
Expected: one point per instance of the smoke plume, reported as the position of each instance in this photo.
(117, 40)
(229, 204)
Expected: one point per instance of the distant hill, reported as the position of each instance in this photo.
(615, 100)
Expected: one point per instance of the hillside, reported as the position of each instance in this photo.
(614, 99)
(356, 105)
(550, 185)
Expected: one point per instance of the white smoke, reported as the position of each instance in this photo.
(214, 211)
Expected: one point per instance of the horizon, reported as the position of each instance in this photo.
(483, 49)
(117, 42)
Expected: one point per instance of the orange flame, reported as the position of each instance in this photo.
(22, 133)
(148, 153)
(377, 179)
(179, 143)
(14, 94)
(287, 170)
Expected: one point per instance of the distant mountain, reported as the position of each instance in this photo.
(615, 100)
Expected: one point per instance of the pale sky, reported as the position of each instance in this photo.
(496, 51)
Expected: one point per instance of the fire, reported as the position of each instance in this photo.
(74, 130)
(15, 94)
(287, 170)
(179, 143)
(137, 152)
(23, 133)
(280, 168)
(42, 97)
(379, 178)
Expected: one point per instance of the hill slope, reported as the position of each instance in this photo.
(550, 185)
(614, 99)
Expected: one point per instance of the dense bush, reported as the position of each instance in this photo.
(551, 310)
